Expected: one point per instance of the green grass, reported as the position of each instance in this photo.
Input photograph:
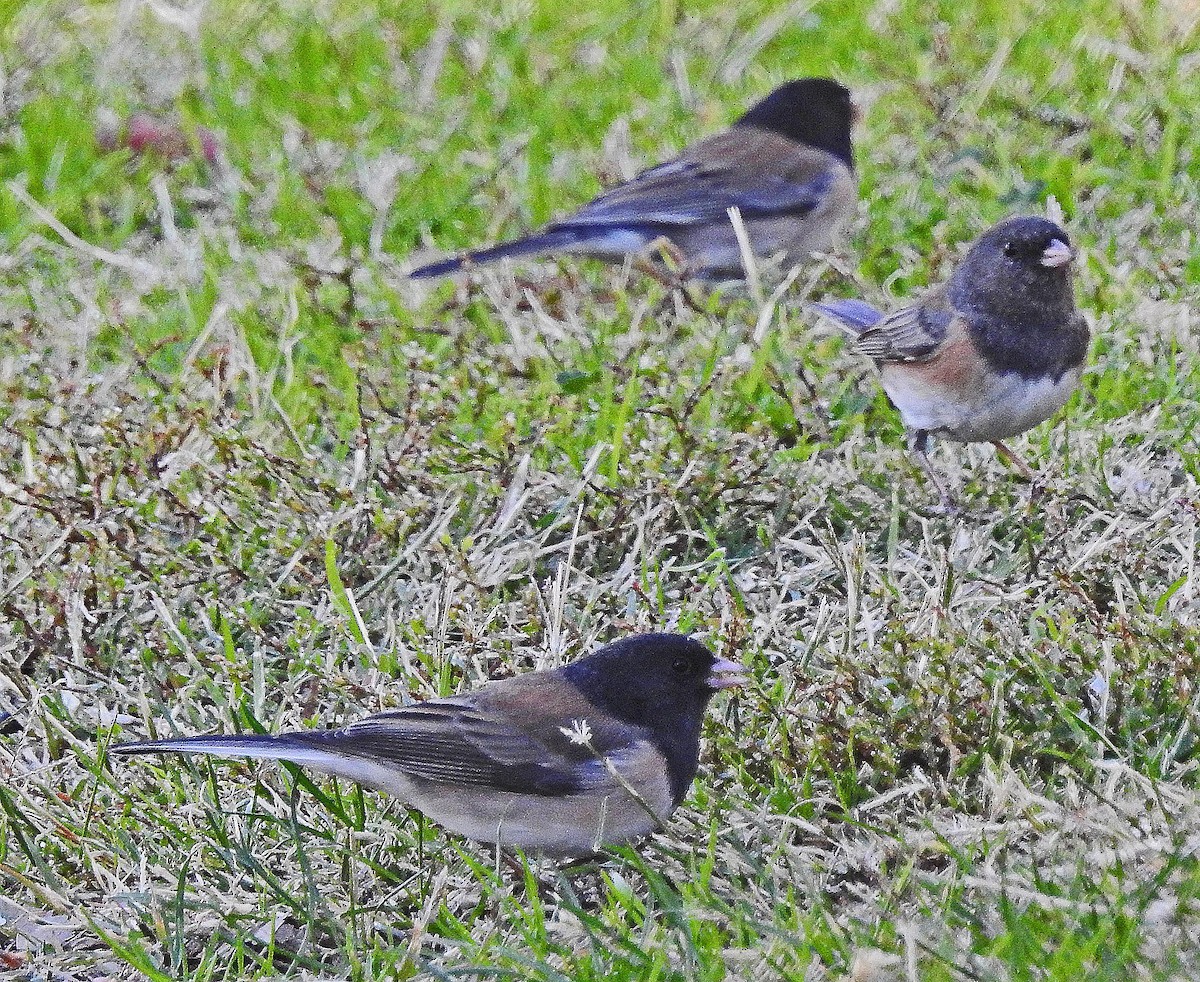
(252, 478)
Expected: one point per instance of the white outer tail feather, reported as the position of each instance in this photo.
(326, 760)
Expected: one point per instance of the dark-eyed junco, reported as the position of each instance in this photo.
(989, 354)
(558, 762)
(786, 165)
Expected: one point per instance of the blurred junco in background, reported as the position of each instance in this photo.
(989, 354)
(786, 165)
(561, 762)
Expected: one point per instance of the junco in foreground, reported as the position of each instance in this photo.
(558, 762)
(786, 165)
(989, 354)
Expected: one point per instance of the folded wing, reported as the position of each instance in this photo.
(448, 741)
(761, 174)
(913, 333)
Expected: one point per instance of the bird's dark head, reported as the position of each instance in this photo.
(814, 111)
(1034, 246)
(662, 682)
(639, 678)
(1015, 288)
(1021, 266)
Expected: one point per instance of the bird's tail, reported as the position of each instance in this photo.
(852, 316)
(298, 748)
(530, 246)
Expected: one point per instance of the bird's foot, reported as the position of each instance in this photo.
(947, 506)
(669, 276)
(525, 874)
(919, 447)
(1016, 461)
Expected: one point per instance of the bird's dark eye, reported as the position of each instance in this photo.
(1010, 250)
(681, 667)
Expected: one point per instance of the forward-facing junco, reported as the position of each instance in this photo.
(786, 165)
(558, 762)
(989, 354)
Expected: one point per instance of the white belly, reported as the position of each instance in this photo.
(568, 825)
(996, 407)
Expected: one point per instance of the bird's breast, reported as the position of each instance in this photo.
(956, 395)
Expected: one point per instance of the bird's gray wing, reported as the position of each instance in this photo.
(760, 174)
(450, 741)
(454, 741)
(912, 333)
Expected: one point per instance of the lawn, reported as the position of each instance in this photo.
(251, 478)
